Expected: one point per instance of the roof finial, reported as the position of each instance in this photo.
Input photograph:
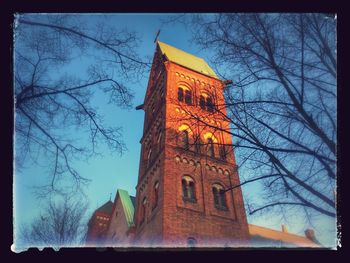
(110, 196)
(156, 39)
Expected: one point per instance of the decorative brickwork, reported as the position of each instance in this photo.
(187, 162)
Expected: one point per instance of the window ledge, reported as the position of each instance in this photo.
(222, 208)
(190, 200)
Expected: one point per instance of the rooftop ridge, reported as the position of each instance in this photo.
(186, 59)
(128, 206)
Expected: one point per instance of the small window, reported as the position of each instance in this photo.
(159, 139)
(184, 188)
(188, 97)
(143, 210)
(223, 153)
(219, 197)
(180, 94)
(149, 158)
(210, 105)
(206, 103)
(188, 189)
(191, 193)
(185, 139)
(202, 102)
(210, 147)
(155, 193)
(197, 143)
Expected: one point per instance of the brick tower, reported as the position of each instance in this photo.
(186, 162)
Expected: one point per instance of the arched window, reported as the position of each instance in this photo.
(191, 193)
(197, 143)
(202, 102)
(206, 102)
(209, 104)
(180, 94)
(184, 139)
(149, 158)
(159, 139)
(143, 210)
(155, 194)
(188, 189)
(223, 153)
(210, 147)
(188, 97)
(219, 197)
(191, 242)
(184, 188)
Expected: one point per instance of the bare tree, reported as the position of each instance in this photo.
(281, 106)
(55, 113)
(62, 223)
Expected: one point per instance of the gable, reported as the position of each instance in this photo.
(105, 208)
(186, 59)
(128, 206)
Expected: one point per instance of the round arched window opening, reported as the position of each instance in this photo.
(188, 189)
(219, 197)
(191, 242)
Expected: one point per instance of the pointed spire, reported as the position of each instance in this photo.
(156, 39)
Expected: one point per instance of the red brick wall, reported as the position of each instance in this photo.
(97, 228)
(150, 231)
(175, 220)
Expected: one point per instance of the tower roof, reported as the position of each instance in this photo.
(186, 59)
(106, 208)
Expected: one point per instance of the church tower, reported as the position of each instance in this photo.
(187, 161)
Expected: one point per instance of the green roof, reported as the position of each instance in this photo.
(128, 206)
(187, 60)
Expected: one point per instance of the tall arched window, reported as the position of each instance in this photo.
(180, 94)
(223, 153)
(149, 157)
(155, 194)
(191, 191)
(159, 139)
(188, 189)
(202, 102)
(206, 102)
(184, 188)
(184, 94)
(219, 197)
(143, 210)
(197, 143)
(185, 139)
(188, 97)
(210, 147)
(209, 104)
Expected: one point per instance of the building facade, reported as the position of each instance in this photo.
(186, 164)
(98, 224)
(184, 195)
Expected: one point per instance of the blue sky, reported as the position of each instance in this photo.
(111, 171)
